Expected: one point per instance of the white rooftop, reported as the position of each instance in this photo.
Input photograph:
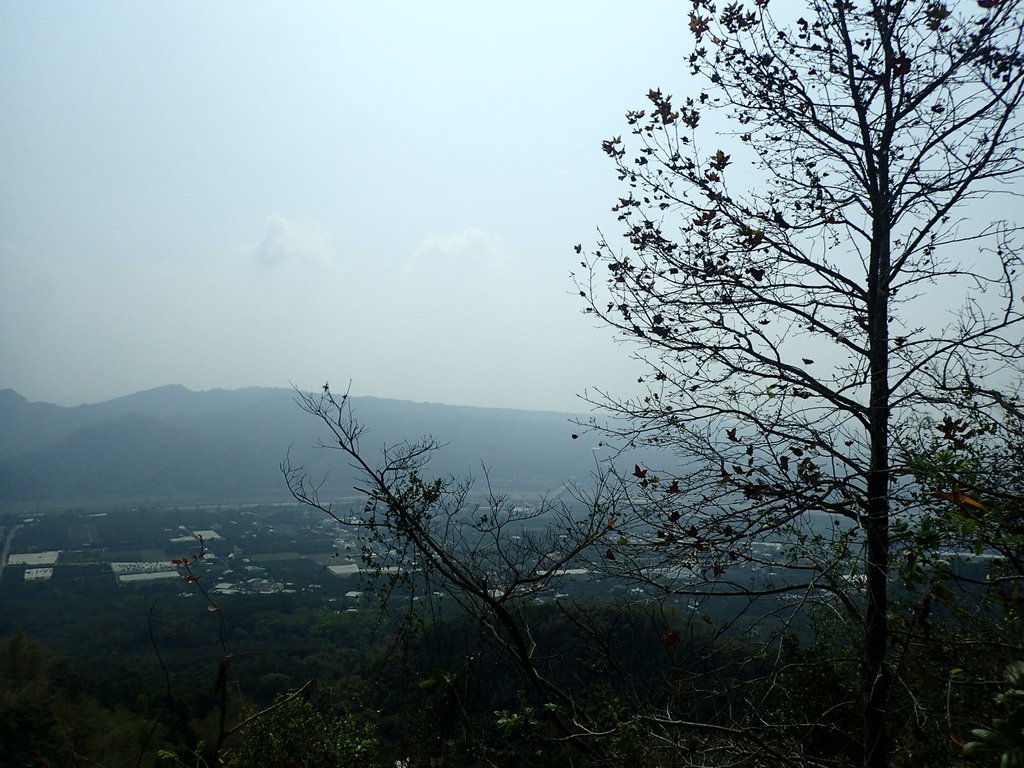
(122, 577)
(205, 535)
(34, 558)
(344, 570)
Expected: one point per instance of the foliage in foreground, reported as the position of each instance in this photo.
(294, 733)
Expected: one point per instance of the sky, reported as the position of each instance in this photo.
(246, 193)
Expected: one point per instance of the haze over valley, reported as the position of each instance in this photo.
(172, 445)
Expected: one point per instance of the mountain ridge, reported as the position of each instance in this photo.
(218, 444)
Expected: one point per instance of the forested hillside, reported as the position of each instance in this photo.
(172, 444)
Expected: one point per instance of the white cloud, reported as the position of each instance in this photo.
(469, 246)
(288, 241)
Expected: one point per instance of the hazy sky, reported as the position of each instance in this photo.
(248, 193)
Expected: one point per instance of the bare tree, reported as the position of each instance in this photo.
(487, 554)
(494, 558)
(810, 286)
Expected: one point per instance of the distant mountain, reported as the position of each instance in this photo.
(226, 445)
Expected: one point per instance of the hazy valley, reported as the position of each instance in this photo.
(173, 445)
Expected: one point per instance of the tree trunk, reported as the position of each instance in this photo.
(876, 676)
